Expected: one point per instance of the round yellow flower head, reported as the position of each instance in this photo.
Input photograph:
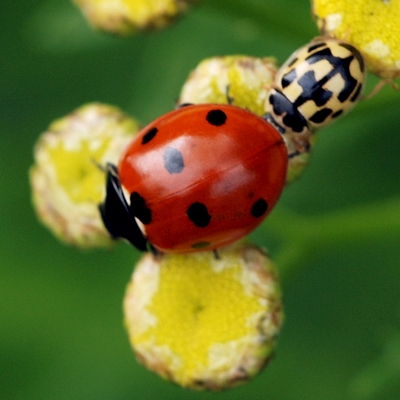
(123, 17)
(246, 80)
(67, 182)
(372, 26)
(205, 322)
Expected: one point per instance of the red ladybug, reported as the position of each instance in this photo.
(197, 178)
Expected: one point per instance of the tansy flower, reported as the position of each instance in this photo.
(205, 322)
(370, 25)
(66, 178)
(124, 17)
(243, 80)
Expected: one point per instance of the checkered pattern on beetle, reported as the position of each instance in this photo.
(319, 82)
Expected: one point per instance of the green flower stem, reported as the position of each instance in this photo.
(305, 237)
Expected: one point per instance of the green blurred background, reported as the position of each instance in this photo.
(61, 332)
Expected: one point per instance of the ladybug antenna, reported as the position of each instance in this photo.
(101, 167)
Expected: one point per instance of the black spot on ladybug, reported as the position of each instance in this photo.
(198, 214)
(288, 78)
(340, 66)
(173, 160)
(316, 46)
(350, 83)
(149, 135)
(216, 117)
(312, 89)
(259, 208)
(321, 115)
(291, 116)
(292, 62)
(139, 208)
(322, 54)
(200, 245)
(356, 93)
(356, 53)
(337, 114)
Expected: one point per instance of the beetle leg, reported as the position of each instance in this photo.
(216, 254)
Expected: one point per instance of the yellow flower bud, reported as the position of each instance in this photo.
(123, 17)
(297, 163)
(66, 179)
(205, 322)
(371, 26)
(246, 80)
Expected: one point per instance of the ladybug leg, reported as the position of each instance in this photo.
(116, 214)
(153, 250)
(229, 99)
(216, 254)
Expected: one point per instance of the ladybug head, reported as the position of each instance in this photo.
(116, 213)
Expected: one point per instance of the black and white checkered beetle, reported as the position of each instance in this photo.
(319, 82)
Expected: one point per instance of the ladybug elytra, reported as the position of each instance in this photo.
(197, 178)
